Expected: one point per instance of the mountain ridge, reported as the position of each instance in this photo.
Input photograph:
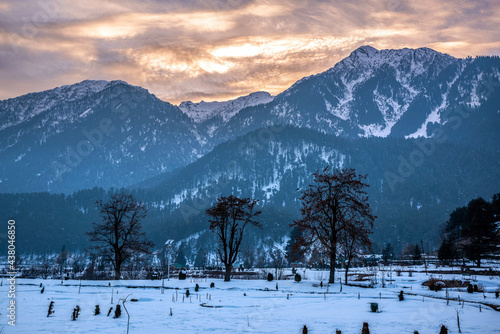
(371, 93)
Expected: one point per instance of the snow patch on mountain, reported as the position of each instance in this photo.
(23, 108)
(203, 111)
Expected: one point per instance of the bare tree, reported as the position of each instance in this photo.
(354, 240)
(278, 258)
(228, 218)
(119, 235)
(329, 205)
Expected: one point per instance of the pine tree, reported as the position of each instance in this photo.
(387, 253)
(480, 234)
(181, 257)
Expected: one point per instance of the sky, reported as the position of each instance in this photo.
(218, 50)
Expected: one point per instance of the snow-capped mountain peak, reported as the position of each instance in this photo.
(203, 111)
(25, 107)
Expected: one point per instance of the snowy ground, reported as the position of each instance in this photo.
(323, 310)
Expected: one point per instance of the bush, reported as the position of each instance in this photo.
(298, 278)
(97, 310)
(43, 289)
(212, 285)
(304, 329)
(470, 288)
(51, 309)
(187, 293)
(182, 275)
(196, 288)
(443, 330)
(118, 311)
(401, 296)
(76, 313)
(434, 284)
(270, 277)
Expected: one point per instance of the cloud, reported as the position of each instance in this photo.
(215, 50)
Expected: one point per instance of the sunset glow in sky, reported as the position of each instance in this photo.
(216, 50)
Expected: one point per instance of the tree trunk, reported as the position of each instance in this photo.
(118, 265)
(227, 277)
(347, 269)
(117, 271)
(333, 258)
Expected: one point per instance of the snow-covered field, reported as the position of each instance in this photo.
(250, 306)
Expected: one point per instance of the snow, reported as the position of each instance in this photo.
(25, 107)
(203, 111)
(435, 115)
(263, 310)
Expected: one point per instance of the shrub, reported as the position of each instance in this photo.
(76, 313)
(270, 277)
(401, 296)
(298, 278)
(196, 288)
(212, 285)
(365, 329)
(443, 330)
(434, 284)
(470, 288)
(43, 289)
(187, 293)
(118, 311)
(182, 275)
(51, 309)
(304, 329)
(97, 310)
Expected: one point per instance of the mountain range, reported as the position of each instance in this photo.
(423, 125)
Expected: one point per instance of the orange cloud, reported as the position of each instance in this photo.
(215, 50)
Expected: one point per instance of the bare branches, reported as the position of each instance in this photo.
(119, 236)
(228, 218)
(335, 203)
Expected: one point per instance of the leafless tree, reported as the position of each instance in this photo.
(228, 218)
(354, 240)
(278, 258)
(119, 236)
(332, 203)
